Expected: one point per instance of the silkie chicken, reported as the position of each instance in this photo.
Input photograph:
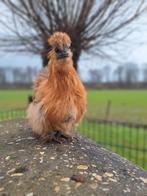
(59, 97)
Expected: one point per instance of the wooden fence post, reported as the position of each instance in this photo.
(108, 109)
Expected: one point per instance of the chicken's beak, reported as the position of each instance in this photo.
(63, 54)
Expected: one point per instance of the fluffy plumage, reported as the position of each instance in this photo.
(59, 98)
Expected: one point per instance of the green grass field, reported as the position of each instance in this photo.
(13, 98)
(126, 105)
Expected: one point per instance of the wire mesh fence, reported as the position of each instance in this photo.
(9, 114)
(126, 139)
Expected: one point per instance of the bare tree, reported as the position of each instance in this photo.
(2, 75)
(107, 72)
(119, 74)
(131, 73)
(92, 24)
(96, 75)
(144, 73)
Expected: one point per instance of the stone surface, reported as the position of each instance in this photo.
(29, 168)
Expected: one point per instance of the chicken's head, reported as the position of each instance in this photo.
(59, 46)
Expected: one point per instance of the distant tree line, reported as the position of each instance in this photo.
(126, 74)
(17, 75)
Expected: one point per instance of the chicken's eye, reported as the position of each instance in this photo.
(49, 48)
(57, 50)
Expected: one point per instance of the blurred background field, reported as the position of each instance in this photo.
(125, 105)
(11, 99)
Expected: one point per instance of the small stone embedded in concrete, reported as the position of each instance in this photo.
(2, 189)
(2, 177)
(66, 179)
(106, 189)
(143, 179)
(57, 189)
(29, 194)
(78, 178)
(41, 159)
(78, 184)
(82, 167)
(17, 174)
(93, 165)
(7, 158)
(41, 179)
(112, 180)
(127, 190)
(93, 185)
(52, 158)
(42, 153)
(22, 150)
(11, 171)
(107, 174)
(97, 177)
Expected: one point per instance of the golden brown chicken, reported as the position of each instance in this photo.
(59, 99)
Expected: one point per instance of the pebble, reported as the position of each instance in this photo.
(77, 185)
(11, 143)
(11, 171)
(1, 177)
(7, 158)
(112, 180)
(41, 179)
(82, 167)
(93, 165)
(41, 159)
(127, 190)
(22, 150)
(16, 174)
(57, 189)
(2, 189)
(106, 189)
(143, 179)
(106, 174)
(30, 138)
(30, 194)
(97, 177)
(52, 158)
(65, 179)
(93, 185)
(78, 178)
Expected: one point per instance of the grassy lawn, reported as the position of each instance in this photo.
(127, 105)
(13, 98)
